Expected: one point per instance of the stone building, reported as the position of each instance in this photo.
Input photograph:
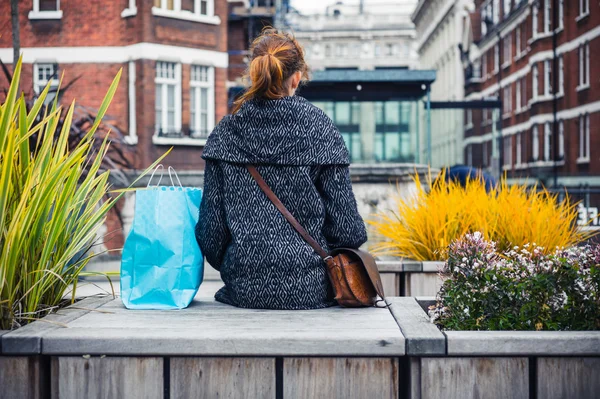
(174, 59)
(439, 26)
(361, 36)
(537, 57)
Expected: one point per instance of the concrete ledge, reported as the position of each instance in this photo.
(523, 343)
(422, 337)
(398, 265)
(27, 340)
(2, 332)
(210, 328)
(425, 302)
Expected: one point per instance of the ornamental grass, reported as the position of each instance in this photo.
(422, 226)
(53, 200)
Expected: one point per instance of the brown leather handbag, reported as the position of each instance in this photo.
(352, 272)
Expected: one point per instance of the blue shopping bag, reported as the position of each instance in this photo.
(162, 266)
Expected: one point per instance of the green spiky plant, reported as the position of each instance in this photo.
(53, 200)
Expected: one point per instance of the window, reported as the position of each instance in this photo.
(484, 151)
(507, 43)
(484, 17)
(584, 8)
(534, 82)
(507, 5)
(192, 10)
(547, 141)
(377, 50)
(518, 149)
(561, 13)
(202, 101)
(327, 50)
(547, 16)
(389, 49)
(535, 143)
(518, 41)
(496, 58)
(484, 65)
(46, 9)
(42, 74)
(507, 154)
(470, 155)
(168, 99)
(561, 75)
(518, 95)
(523, 92)
(469, 118)
(584, 66)
(507, 103)
(547, 77)
(496, 11)
(561, 140)
(584, 138)
(534, 19)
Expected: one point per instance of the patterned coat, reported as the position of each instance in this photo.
(301, 155)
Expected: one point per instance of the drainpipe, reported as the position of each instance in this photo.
(555, 88)
(428, 127)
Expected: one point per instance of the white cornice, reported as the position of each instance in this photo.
(119, 54)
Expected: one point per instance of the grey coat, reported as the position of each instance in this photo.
(301, 155)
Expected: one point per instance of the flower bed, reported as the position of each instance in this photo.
(518, 289)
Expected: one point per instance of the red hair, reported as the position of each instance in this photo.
(275, 56)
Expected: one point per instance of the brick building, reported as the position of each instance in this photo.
(535, 56)
(174, 59)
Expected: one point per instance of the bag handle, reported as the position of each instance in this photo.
(284, 211)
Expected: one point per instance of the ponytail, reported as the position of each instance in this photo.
(275, 57)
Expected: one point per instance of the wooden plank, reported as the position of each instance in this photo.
(222, 377)
(343, 378)
(422, 284)
(27, 340)
(475, 377)
(209, 328)
(564, 377)
(107, 377)
(391, 284)
(23, 377)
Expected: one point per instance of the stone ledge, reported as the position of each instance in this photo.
(2, 332)
(209, 328)
(422, 337)
(27, 340)
(398, 265)
(523, 343)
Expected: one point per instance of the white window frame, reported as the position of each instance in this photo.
(507, 7)
(507, 101)
(584, 9)
(40, 84)
(534, 20)
(561, 75)
(518, 103)
(584, 138)
(547, 142)
(507, 153)
(561, 140)
(176, 81)
(535, 143)
(496, 11)
(519, 149)
(561, 14)
(535, 82)
(548, 77)
(547, 16)
(196, 87)
(35, 13)
(130, 11)
(195, 16)
(584, 66)
(518, 42)
(507, 48)
(496, 58)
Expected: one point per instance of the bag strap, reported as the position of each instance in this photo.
(289, 217)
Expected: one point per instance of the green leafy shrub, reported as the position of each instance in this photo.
(519, 289)
(53, 200)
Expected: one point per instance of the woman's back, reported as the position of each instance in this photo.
(263, 261)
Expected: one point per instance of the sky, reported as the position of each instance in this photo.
(318, 6)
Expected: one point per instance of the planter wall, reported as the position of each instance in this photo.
(409, 277)
(214, 350)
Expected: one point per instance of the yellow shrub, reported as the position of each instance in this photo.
(422, 226)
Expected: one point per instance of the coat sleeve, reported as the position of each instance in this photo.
(344, 227)
(212, 232)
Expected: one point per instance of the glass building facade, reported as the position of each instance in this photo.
(377, 131)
